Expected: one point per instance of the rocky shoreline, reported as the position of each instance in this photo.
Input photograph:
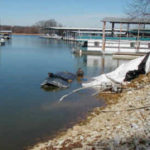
(123, 124)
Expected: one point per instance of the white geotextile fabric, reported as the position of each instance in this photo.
(118, 75)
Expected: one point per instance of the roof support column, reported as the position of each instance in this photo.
(120, 37)
(112, 29)
(128, 28)
(103, 40)
(138, 39)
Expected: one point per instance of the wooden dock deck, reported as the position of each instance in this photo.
(80, 52)
(127, 55)
(118, 55)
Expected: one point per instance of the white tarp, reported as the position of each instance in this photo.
(114, 79)
(118, 75)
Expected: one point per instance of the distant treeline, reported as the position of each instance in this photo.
(34, 29)
(21, 29)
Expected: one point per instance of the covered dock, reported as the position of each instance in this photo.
(141, 23)
(6, 34)
(73, 33)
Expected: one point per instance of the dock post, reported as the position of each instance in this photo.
(112, 30)
(138, 39)
(103, 64)
(120, 37)
(128, 28)
(103, 41)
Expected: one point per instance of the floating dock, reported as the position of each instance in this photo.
(118, 55)
(121, 55)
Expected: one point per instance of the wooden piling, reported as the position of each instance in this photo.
(119, 37)
(138, 37)
(103, 41)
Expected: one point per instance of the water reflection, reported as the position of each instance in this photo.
(96, 65)
(28, 112)
(0, 56)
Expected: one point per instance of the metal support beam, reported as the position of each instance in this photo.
(138, 39)
(119, 37)
(103, 42)
(112, 29)
(128, 28)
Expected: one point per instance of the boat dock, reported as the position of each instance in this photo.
(78, 34)
(121, 42)
(118, 55)
(5, 34)
(124, 55)
(80, 52)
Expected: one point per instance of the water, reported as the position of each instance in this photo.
(28, 113)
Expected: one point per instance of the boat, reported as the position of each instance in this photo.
(54, 82)
(59, 80)
(51, 36)
(2, 41)
(6, 34)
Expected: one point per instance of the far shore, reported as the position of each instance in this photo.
(26, 33)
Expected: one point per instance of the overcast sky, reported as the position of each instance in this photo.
(71, 13)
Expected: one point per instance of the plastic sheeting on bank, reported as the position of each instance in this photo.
(125, 72)
(121, 75)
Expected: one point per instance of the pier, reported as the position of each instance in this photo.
(78, 34)
(6, 34)
(121, 39)
(129, 42)
(128, 22)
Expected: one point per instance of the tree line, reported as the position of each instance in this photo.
(34, 29)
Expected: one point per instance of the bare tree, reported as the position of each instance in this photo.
(138, 9)
(47, 23)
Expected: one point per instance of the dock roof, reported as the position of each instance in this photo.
(101, 31)
(5, 31)
(126, 20)
(73, 28)
(83, 30)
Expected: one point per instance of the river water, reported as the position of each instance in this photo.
(29, 114)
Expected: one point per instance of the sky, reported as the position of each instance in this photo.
(70, 13)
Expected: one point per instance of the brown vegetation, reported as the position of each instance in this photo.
(34, 29)
(138, 9)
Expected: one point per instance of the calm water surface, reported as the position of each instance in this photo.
(27, 112)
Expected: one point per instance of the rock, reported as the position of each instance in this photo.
(130, 92)
(133, 125)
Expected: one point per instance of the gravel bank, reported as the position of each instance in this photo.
(123, 124)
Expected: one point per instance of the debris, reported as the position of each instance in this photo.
(56, 82)
(66, 76)
(141, 70)
(125, 72)
(80, 73)
(60, 80)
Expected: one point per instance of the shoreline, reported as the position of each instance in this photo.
(25, 34)
(123, 124)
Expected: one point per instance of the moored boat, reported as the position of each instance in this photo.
(52, 36)
(2, 41)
